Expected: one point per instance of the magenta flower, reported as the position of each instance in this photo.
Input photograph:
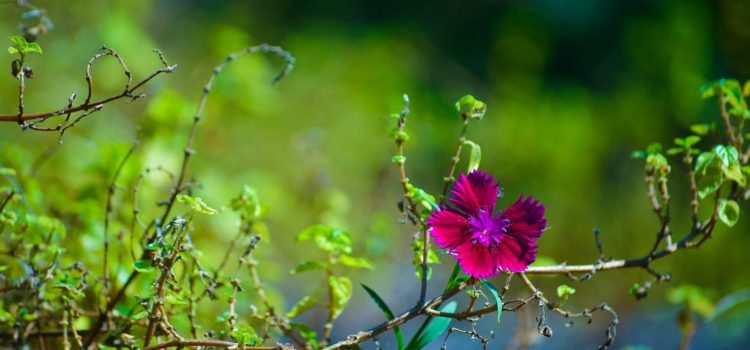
(485, 242)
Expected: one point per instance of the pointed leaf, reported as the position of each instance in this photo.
(341, 292)
(729, 212)
(388, 313)
(434, 329)
(475, 157)
(495, 295)
(308, 266)
(348, 260)
(304, 304)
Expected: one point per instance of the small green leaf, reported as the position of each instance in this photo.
(248, 204)
(143, 266)
(563, 292)
(246, 336)
(196, 204)
(688, 141)
(327, 238)
(475, 157)
(308, 266)
(7, 172)
(388, 314)
(348, 260)
(729, 212)
(422, 197)
(703, 129)
(20, 45)
(33, 47)
(495, 295)
(470, 107)
(304, 304)
(398, 159)
(435, 327)
(675, 151)
(341, 292)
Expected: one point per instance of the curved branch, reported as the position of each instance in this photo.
(87, 105)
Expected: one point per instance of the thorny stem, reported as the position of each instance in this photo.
(412, 209)
(157, 315)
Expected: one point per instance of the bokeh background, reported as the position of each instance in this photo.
(572, 88)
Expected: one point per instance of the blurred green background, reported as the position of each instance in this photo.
(572, 88)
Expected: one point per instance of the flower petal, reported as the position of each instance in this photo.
(448, 227)
(475, 191)
(477, 260)
(518, 247)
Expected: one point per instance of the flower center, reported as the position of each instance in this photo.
(486, 229)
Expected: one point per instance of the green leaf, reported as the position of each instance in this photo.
(7, 172)
(20, 45)
(196, 204)
(308, 266)
(729, 212)
(33, 47)
(495, 295)
(246, 335)
(248, 204)
(388, 314)
(435, 327)
(398, 159)
(703, 129)
(729, 302)
(421, 196)
(722, 162)
(143, 266)
(348, 260)
(327, 238)
(688, 141)
(341, 292)
(304, 304)
(470, 107)
(563, 292)
(474, 157)
(18, 41)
